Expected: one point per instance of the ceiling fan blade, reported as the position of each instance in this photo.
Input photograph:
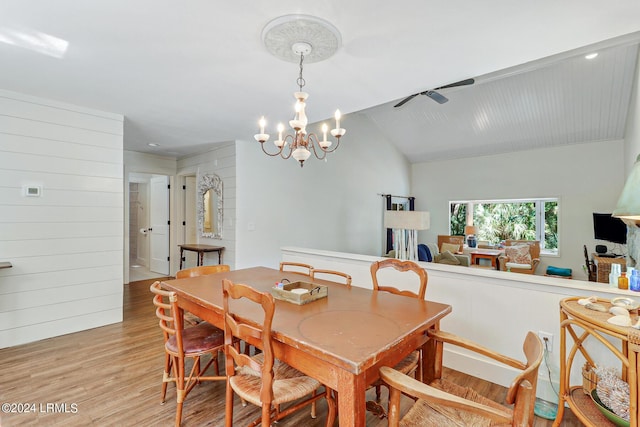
(440, 99)
(404, 101)
(456, 84)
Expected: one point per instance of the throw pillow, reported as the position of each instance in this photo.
(447, 257)
(424, 254)
(518, 254)
(451, 247)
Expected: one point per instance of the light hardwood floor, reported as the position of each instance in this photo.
(112, 375)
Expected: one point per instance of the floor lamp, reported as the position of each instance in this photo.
(405, 226)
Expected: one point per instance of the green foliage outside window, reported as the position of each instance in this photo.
(498, 221)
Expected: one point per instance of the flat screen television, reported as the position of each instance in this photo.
(611, 229)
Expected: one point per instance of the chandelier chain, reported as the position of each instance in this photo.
(300, 80)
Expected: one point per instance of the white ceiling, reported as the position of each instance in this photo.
(190, 73)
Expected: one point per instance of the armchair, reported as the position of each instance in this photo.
(443, 403)
(447, 243)
(521, 256)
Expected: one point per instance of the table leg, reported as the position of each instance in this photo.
(181, 258)
(219, 256)
(200, 258)
(351, 400)
(564, 386)
(432, 352)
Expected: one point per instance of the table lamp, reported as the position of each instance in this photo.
(471, 231)
(405, 225)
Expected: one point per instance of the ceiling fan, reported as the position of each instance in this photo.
(439, 98)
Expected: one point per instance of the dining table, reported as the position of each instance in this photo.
(341, 340)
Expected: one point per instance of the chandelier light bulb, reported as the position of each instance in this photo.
(337, 116)
(324, 144)
(279, 142)
(261, 137)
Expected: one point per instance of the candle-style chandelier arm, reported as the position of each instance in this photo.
(313, 141)
(282, 152)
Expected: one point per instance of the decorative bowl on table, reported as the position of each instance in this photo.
(608, 413)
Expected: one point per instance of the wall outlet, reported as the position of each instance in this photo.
(547, 340)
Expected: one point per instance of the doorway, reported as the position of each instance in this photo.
(148, 226)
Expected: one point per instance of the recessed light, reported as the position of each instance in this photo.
(591, 55)
(153, 144)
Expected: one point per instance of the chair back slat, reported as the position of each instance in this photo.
(170, 322)
(296, 267)
(202, 270)
(320, 273)
(400, 266)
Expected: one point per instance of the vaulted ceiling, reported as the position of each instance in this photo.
(189, 74)
(567, 99)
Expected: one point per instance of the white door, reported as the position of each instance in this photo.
(190, 225)
(159, 225)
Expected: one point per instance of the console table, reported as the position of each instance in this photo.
(581, 324)
(5, 264)
(200, 249)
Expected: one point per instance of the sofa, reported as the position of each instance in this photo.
(429, 252)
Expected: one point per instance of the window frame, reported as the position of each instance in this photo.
(539, 203)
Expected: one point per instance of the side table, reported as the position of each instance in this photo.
(580, 323)
(490, 254)
(200, 249)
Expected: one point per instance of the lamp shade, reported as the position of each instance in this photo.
(471, 230)
(407, 220)
(629, 202)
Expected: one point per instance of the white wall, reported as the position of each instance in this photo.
(326, 205)
(586, 178)
(66, 246)
(219, 160)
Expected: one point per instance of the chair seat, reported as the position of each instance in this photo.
(288, 383)
(409, 363)
(429, 414)
(516, 265)
(197, 339)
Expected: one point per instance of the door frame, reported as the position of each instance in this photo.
(173, 248)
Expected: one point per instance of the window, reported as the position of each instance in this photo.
(497, 220)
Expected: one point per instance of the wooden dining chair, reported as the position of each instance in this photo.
(202, 270)
(296, 267)
(261, 379)
(410, 364)
(182, 343)
(331, 275)
(443, 403)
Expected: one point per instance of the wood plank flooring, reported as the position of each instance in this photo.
(111, 376)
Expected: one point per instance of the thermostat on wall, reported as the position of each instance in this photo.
(32, 191)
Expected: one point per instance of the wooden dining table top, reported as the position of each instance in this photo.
(351, 326)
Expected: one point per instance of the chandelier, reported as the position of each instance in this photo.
(301, 144)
